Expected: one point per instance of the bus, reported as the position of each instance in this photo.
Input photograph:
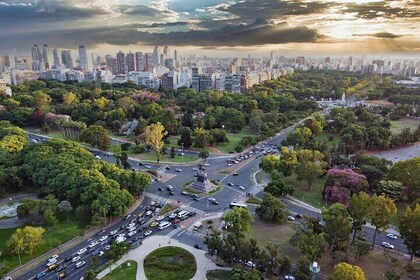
(237, 204)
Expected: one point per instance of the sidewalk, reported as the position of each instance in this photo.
(154, 242)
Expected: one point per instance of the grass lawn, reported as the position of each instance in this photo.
(326, 137)
(234, 139)
(170, 263)
(53, 237)
(312, 196)
(265, 232)
(397, 126)
(217, 274)
(253, 200)
(123, 272)
(167, 208)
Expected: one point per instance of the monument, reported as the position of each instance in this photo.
(202, 184)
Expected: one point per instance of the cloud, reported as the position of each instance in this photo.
(382, 9)
(380, 35)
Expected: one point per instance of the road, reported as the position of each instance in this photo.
(215, 170)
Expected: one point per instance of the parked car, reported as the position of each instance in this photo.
(387, 245)
(131, 233)
(230, 184)
(392, 236)
(241, 188)
(148, 213)
(290, 218)
(235, 174)
(250, 264)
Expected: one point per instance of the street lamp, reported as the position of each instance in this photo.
(314, 268)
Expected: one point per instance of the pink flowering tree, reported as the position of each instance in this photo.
(341, 183)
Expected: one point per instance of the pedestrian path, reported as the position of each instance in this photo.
(154, 242)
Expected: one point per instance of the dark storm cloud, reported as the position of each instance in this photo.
(382, 9)
(257, 33)
(380, 35)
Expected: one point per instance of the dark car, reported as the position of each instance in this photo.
(235, 174)
(141, 164)
(230, 184)
(299, 216)
(61, 267)
(68, 258)
(167, 168)
(196, 246)
(171, 193)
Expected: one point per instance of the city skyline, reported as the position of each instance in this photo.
(214, 27)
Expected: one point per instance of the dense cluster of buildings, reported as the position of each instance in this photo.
(165, 68)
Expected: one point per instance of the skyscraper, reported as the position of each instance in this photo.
(195, 79)
(111, 64)
(6, 61)
(36, 54)
(130, 62)
(56, 58)
(175, 55)
(83, 57)
(45, 51)
(120, 63)
(139, 61)
(67, 59)
(148, 62)
(156, 56)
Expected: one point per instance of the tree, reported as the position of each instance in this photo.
(274, 257)
(239, 274)
(97, 136)
(345, 180)
(312, 245)
(41, 99)
(383, 208)
(154, 134)
(214, 242)
(49, 217)
(65, 206)
(185, 138)
(173, 152)
(300, 137)
(302, 269)
(310, 166)
(288, 160)
(410, 229)
(278, 186)
(337, 226)
(4, 269)
(345, 271)
(26, 240)
(354, 138)
(407, 172)
(201, 139)
(314, 125)
(204, 154)
(359, 210)
(269, 163)
(392, 189)
(116, 252)
(271, 209)
(240, 220)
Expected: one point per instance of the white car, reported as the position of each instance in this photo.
(290, 218)
(152, 203)
(130, 225)
(131, 233)
(229, 164)
(157, 210)
(207, 164)
(148, 213)
(171, 216)
(51, 262)
(392, 236)
(195, 169)
(75, 259)
(147, 232)
(241, 188)
(113, 232)
(289, 277)
(93, 244)
(101, 253)
(103, 238)
(121, 235)
(387, 245)
(54, 257)
(158, 218)
(132, 229)
(98, 157)
(80, 264)
(178, 170)
(81, 251)
(148, 167)
(250, 264)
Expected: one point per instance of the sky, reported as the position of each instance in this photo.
(331, 27)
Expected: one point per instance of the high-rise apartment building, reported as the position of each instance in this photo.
(195, 79)
(36, 54)
(111, 64)
(130, 62)
(83, 57)
(175, 55)
(6, 61)
(67, 59)
(156, 56)
(139, 61)
(121, 63)
(56, 58)
(148, 62)
(45, 52)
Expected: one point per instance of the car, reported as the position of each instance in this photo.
(40, 275)
(98, 157)
(148, 167)
(290, 218)
(81, 251)
(147, 232)
(164, 225)
(51, 262)
(212, 199)
(178, 170)
(167, 168)
(195, 169)
(250, 264)
(230, 184)
(132, 229)
(62, 275)
(52, 267)
(68, 258)
(229, 164)
(80, 264)
(101, 253)
(148, 213)
(207, 164)
(172, 216)
(152, 203)
(53, 257)
(131, 233)
(103, 238)
(184, 193)
(127, 217)
(154, 224)
(392, 236)
(289, 277)
(75, 259)
(93, 244)
(157, 210)
(61, 267)
(160, 189)
(171, 193)
(158, 218)
(299, 216)
(195, 198)
(235, 174)
(241, 188)
(196, 246)
(130, 225)
(113, 232)
(140, 164)
(169, 188)
(387, 245)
